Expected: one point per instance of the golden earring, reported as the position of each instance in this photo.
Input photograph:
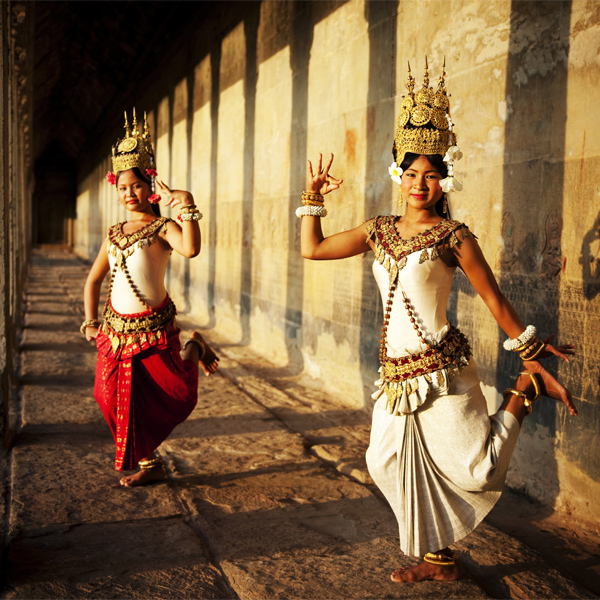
(445, 205)
(400, 199)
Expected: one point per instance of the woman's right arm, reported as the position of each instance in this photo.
(314, 245)
(91, 291)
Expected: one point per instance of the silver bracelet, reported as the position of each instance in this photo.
(311, 211)
(525, 337)
(194, 215)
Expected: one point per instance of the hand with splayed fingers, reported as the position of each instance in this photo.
(320, 181)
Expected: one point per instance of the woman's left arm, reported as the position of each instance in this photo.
(184, 237)
(471, 260)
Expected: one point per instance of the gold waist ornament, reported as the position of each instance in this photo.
(452, 352)
(145, 328)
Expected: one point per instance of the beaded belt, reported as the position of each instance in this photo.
(143, 330)
(452, 352)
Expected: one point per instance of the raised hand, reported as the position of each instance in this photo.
(322, 182)
(172, 197)
(550, 386)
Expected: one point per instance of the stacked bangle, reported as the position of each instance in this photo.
(151, 463)
(532, 350)
(189, 213)
(313, 206)
(312, 198)
(440, 558)
(89, 323)
(311, 211)
(518, 344)
(527, 345)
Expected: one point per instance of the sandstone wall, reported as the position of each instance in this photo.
(245, 97)
(16, 62)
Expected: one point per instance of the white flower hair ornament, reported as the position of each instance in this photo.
(453, 153)
(395, 172)
(450, 183)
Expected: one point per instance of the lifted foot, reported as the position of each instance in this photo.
(208, 360)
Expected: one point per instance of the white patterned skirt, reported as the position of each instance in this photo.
(443, 466)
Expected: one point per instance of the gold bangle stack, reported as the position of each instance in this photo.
(530, 350)
(311, 199)
(89, 323)
(519, 394)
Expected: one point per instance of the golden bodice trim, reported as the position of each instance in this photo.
(123, 241)
(392, 251)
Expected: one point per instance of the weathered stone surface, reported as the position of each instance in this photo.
(46, 407)
(551, 535)
(163, 558)
(506, 568)
(191, 581)
(361, 572)
(51, 490)
(55, 552)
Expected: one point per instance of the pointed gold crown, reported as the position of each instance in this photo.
(135, 149)
(424, 125)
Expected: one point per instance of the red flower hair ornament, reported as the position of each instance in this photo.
(110, 177)
(151, 173)
(154, 199)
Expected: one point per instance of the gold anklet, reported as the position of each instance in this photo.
(152, 463)
(439, 558)
(201, 347)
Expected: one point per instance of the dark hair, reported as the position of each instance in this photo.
(437, 162)
(136, 171)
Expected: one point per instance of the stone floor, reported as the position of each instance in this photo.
(267, 495)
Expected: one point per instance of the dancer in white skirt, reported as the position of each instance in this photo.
(435, 453)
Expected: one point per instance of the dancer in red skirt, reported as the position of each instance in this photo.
(143, 385)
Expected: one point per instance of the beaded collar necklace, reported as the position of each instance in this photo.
(125, 242)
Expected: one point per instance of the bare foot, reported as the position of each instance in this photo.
(144, 476)
(208, 360)
(424, 571)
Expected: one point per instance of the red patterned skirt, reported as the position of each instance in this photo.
(143, 386)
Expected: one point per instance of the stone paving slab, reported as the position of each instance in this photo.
(55, 552)
(49, 488)
(50, 406)
(190, 581)
(510, 569)
(325, 575)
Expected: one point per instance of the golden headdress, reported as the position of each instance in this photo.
(424, 125)
(135, 149)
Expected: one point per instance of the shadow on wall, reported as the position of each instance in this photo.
(534, 168)
(382, 20)
(590, 261)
